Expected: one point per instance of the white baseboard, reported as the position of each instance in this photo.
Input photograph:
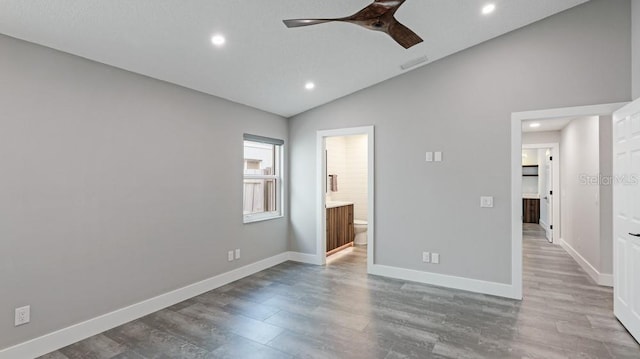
(600, 278)
(63, 337)
(442, 280)
(304, 258)
(66, 336)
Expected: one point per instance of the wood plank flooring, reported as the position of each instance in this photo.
(302, 311)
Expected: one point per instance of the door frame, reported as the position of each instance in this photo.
(516, 172)
(321, 179)
(624, 298)
(555, 153)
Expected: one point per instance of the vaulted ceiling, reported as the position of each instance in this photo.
(262, 64)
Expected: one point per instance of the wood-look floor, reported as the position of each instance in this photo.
(338, 311)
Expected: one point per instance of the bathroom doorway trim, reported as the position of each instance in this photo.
(321, 179)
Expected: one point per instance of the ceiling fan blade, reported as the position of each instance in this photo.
(306, 22)
(403, 35)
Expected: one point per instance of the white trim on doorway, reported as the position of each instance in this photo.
(555, 153)
(516, 169)
(321, 178)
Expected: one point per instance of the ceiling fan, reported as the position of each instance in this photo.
(377, 16)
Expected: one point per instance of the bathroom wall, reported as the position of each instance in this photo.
(529, 183)
(529, 157)
(336, 165)
(347, 157)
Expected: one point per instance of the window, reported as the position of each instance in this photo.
(262, 189)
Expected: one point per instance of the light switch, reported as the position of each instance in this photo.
(486, 202)
(429, 157)
(438, 156)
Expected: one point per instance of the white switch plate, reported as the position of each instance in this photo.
(23, 315)
(237, 253)
(429, 157)
(435, 258)
(438, 156)
(426, 257)
(486, 202)
(230, 256)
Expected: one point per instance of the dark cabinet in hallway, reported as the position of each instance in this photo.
(530, 210)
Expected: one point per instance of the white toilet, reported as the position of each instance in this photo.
(360, 228)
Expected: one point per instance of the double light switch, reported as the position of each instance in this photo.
(434, 157)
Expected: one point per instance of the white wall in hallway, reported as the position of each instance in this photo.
(580, 190)
(606, 195)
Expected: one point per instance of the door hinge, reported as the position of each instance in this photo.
(551, 226)
(551, 193)
(551, 158)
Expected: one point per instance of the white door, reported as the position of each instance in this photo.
(547, 198)
(626, 221)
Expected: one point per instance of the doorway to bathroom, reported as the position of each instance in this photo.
(345, 188)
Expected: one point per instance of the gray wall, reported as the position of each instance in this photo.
(115, 188)
(462, 106)
(635, 13)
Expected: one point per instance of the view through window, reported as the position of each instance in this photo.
(262, 192)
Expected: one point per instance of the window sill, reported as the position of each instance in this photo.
(254, 219)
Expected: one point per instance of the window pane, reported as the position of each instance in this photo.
(262, 192)
(260, 195)
(259, 158)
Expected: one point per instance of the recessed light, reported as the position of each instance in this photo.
(488, 9)
(534, 125)
(218, 40)
(309, 85)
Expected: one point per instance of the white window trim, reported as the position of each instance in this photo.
(266, 216)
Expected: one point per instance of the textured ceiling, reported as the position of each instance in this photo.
(263, 64)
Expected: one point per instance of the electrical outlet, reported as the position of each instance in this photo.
(230, 256)
(429, 157)
(23, 315)
(237, 253)
(435, 258)
(426, 257)
(486, 202)
(437, 156)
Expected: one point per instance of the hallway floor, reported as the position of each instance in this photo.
(303, 311)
